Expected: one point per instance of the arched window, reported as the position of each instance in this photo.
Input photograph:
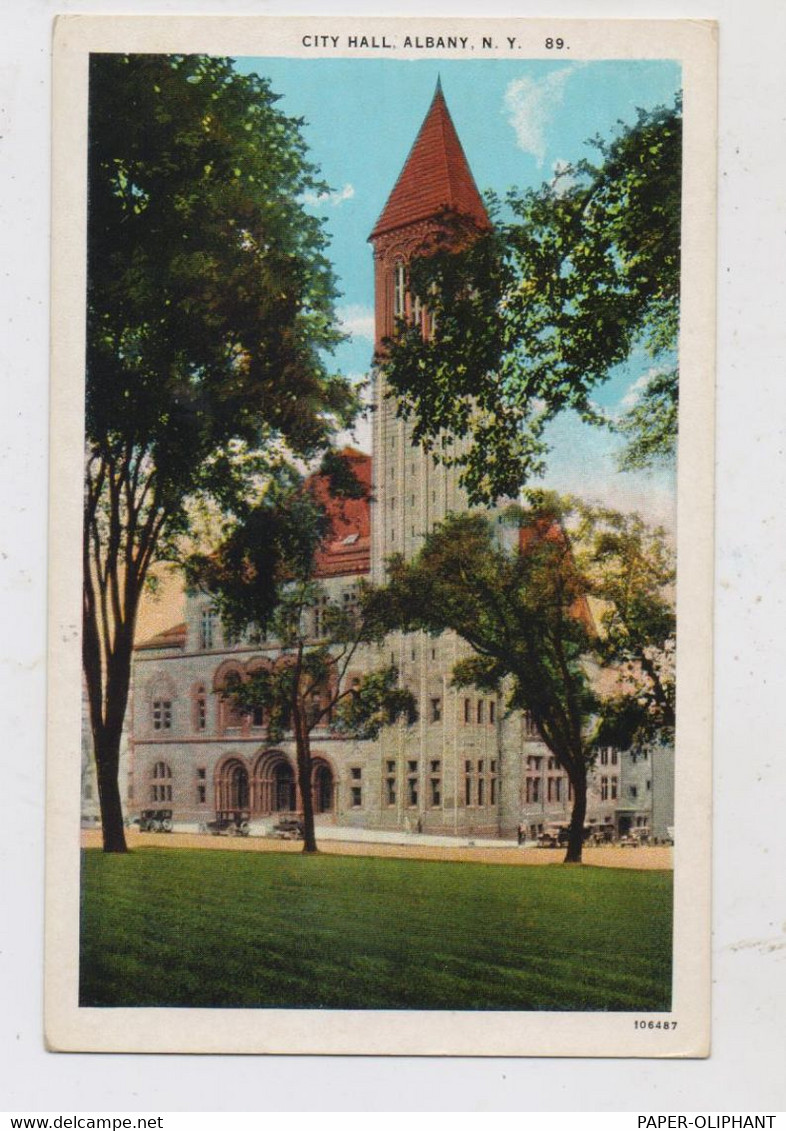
(161, 785)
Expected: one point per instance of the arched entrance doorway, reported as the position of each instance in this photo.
(232, 787)
(274, 787)
(322, 787)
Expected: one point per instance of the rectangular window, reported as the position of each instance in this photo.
(399, 290)
(604, 789)
(436, 710)
(480, 711)
(206, 629)
(481, 791)
(390, 791)
(201, 713)
(614, 789)
(258, 716)
(492, 711)
(357, 773)
(356, 796)
(558, 789)
(412, 791)
(549, 789)
(201, 774)
(634, 792)
(391, 767)
(436, 792)
(614, 757)
(604, 757)
(467, 710)
(493, 791)
(201, 795)
(162, 714)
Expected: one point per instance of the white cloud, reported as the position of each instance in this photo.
(633, 395)
(333, 199)
(357, 320)
(530, 104)
(563, 181)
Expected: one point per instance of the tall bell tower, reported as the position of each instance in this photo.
(435, 185)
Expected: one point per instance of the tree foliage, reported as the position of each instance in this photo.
(310, 639)
(209, 314)
(522, 603)
(531, 317)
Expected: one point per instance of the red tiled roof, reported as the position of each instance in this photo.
(349, 550)
(170, 638)
(435, 176)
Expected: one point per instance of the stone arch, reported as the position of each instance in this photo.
(274, 784)
(226, 669)
(226, 674)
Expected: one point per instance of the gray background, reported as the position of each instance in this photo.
(745, 1070)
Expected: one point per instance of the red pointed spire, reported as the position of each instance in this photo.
(435, 176)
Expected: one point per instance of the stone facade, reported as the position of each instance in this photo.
(464, 768)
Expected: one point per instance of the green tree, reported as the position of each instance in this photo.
(209, 314)
(630, 569)
(522, 604)
(315, 644)
(531, 317)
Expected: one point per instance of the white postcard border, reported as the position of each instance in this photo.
(69, 1027)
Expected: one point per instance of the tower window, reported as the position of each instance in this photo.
(399, 290)
(207, 622)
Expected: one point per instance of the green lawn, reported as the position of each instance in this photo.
(203, 928)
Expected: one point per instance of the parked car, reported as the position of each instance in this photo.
(233, 823)
(154, 821)
(289, 828)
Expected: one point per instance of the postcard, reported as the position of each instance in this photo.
(381, 536)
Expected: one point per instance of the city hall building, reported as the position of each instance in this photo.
(466, 767)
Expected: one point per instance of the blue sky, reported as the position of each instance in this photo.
(517, 121)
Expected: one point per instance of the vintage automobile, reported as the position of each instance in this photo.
(636, 837)
(289, 828)
(553, 836)
(229, 823)
(557, 836)
(154, 821)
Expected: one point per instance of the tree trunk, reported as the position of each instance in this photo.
(303, 746)
(106, 724)
(107, 751)
(576, 828)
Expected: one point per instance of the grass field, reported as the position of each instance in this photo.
(169, 927)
